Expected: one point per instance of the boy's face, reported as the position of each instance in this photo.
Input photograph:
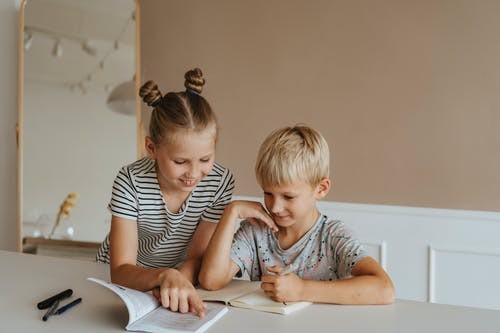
(294, 203)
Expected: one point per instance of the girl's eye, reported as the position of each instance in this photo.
(179, 162)
(287, 197)
(205, 160)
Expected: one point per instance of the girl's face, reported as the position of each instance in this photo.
(184, 160)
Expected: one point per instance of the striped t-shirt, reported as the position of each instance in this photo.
(163, 236)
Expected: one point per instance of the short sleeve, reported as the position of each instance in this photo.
(347, 250)
(243, 253)
(222, 198)
(124, 196)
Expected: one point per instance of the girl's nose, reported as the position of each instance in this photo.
(191, 172)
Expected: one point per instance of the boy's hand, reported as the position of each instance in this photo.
(282, 288)
(253, 212)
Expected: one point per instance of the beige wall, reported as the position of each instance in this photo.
(406, 92)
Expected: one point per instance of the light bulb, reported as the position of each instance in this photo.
(57, 50)
(88, 48)
(28, 40)
(82, 88)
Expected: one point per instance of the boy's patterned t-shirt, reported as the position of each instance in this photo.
(327, 251)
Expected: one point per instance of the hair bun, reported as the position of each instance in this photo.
(194, 80)
(150, 93)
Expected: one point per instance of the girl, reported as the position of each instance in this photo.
(165, 206)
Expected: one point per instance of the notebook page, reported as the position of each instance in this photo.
(258, 300)
(234, 289)
(163, 320)
(138, 303)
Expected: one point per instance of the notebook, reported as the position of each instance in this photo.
(249, 295)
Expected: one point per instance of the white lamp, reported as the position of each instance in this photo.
(122, 98)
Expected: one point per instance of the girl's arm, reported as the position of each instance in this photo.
(217, 268)
(176, 290)
(369, 284)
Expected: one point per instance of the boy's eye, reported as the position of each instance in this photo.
(287, 197)
(205, 160)
(179, 162)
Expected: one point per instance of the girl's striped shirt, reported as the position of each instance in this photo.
(163, 236)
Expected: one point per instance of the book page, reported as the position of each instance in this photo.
(138, 303)
(234, 289)
(162, 320)
(258, 300)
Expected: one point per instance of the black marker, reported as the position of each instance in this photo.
(45, 304)
(50, 311)
(68, 306)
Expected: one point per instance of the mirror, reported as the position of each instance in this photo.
(78, 120)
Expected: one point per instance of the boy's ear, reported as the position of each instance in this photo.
(323, 188)
(150, 147)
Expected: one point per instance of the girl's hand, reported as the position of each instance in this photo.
(282, 288)
(178, 294)
(253, 212)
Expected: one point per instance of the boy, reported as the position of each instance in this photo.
(324, 263)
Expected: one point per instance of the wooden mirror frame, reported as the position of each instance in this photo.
(20, 110)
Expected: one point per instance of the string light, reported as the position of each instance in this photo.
(86, 47)
(101, 63)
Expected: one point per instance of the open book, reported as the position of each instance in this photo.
(146, 315)
(249, 295)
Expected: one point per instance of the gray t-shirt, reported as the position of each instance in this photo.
(326, 252)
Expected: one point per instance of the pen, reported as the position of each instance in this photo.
(50, 311)
(45, 304)
(287, 270)
(68, 306)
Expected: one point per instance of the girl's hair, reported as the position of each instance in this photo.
(178, 110)
(291, 154)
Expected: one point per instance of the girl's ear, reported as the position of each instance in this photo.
(323, 188)
(150, 147)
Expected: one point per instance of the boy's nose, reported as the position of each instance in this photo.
(276, 207)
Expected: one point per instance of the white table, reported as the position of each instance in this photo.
(27, 279)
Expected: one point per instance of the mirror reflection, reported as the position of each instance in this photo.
(79, 120)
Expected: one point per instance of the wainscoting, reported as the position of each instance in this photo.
(435, 255)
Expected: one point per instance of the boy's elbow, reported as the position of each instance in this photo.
(208, 281)
(388, 294)
(203, 279)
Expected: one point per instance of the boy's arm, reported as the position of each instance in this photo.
(217, 268)
(191, 265)
(369, 284)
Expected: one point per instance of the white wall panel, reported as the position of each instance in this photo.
(464, 277)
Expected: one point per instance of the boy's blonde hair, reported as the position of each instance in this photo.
(290, 154)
